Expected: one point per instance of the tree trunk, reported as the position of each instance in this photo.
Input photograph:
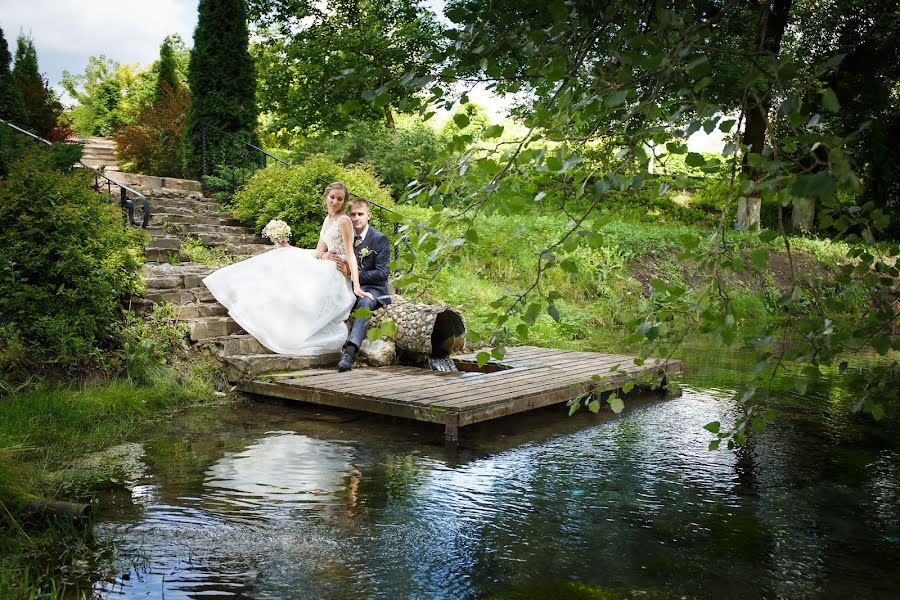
(773, 22)
(389, 120)
(802, 214)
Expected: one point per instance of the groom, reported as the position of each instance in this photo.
(373, 251)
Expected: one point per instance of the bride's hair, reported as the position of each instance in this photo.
(337, 185)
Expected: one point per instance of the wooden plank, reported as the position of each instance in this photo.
(556, 379)
(613, 382)
(587, 368)
(342, 400)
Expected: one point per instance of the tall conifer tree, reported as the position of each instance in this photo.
(221, 75)
(167, 77)
(12, 107)
(42, 109)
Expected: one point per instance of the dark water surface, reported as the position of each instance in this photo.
(270, 501)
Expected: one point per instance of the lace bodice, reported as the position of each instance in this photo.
(331, 235)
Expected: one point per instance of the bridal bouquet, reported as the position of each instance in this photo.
(277, 231)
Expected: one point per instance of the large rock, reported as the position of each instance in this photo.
(379, 353)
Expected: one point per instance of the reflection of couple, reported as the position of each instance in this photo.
(295, 301)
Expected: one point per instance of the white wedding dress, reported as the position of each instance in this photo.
(290, 301)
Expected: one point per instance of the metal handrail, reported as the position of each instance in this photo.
(124, 201)
(231, 135)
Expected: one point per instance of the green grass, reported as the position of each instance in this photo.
(42, 431)
(609, 287)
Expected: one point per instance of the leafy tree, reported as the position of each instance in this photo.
(415, 147)
(319, 62)
(142, 86)
(634, 74)
(12, 107)
(221, 75)
(98, 93)
(152, 144)
(42, 108)
(865, 109)
(167, 77)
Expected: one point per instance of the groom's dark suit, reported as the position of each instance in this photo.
(373, 278)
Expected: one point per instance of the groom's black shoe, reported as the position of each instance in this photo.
(346, 362)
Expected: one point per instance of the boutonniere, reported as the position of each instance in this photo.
(365, 252)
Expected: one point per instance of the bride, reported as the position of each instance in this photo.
(287, 298)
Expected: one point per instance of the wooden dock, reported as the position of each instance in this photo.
(527, 378)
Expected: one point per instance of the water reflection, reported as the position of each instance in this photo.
(267, 503)
(279, 473)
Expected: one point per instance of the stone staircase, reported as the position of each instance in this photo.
(98, 152)
(179, 210)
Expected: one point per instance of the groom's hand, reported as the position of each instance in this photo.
(340, 263)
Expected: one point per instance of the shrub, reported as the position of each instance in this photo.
(152, 145)
(65, 260)
(294, 194)
(415, 148)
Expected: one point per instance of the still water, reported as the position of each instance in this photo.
(282, 501)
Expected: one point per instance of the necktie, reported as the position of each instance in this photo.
(357, 240)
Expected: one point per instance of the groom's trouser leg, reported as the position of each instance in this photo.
(359, 327)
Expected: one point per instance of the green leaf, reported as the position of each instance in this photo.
(713, 427)
(361, 313)
(492, 132)
(616, 99)
(482, 358)
(714, 445)
(594, 406)
(695, 159)
(522, 331)
(461, 120)
(553, 312)
(768, 235)
(616, 403)
(569, 266)
(830, 101)
(760, 258)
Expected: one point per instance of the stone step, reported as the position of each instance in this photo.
(234, 345)
(249, 366)
(198, 228)
(232, 235)
(190, 204)
(199, 310)
(214, 240)
(162, 217)
(165, 276)
(179, 295)
(167, 242)
(205, 328)
(165, 256)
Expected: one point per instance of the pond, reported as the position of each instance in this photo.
(273, 501)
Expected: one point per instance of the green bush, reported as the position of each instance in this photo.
(65, 261)
(294, 194)
(415, 148)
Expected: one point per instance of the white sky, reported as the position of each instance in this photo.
(67, 32)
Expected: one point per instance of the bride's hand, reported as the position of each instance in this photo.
(362, 293)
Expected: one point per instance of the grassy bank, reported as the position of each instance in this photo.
(611, 282)
(43, 434)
